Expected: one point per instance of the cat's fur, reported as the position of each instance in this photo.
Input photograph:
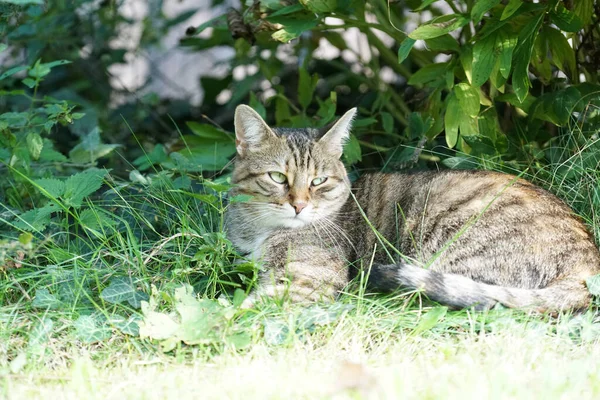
(465, 238)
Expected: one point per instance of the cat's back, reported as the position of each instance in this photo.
(469, 219)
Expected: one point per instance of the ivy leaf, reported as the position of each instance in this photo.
(128, 326)
(81, 185)
(452, 121)
(89, 330)
(405, 47)
(439, 26)
(593, 285)
(122, 289)
(44, 299)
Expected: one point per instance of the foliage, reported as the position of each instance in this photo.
(111, 200)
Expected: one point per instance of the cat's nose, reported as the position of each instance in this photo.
(299, 207)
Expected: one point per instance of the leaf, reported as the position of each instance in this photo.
(439, 26)
(444, 43)
(53, 188)
(89, 330)
(593, 285)
(157, 325)
(387, 121)
(484, 58)
(34, 145)
(479, 144)
(91, 148)
(209, 132)
(83, 184)
(452, 121)
(425, 4)
(275, 331)
(481, 7)
(128, 326)
(430, 320)
(468, 98)
(36, 219)
(510, 9)
(584, 9)
(3, 47)
(522, 57)
(158, 155)
(404, 49)
(432, 74)
(44, 299)
(239, 340)
(23, 2)
(306, 87)
(320, 6)
(563, 55)
(122, 289)
(13, 71)
(40, 334)
(294, 28)
(352, 151)
(566, 20)
(506, 42)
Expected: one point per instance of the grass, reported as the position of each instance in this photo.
(73, 296)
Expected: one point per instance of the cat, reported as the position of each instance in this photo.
(462, 238)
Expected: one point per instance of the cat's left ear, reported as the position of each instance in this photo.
(335, 138)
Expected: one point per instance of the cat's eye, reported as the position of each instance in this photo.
(278, 177)
(318, 181)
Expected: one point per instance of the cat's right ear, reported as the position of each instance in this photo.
(250, 130)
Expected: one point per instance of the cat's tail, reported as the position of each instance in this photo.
(459, 291)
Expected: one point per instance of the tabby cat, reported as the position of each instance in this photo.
(463, 238)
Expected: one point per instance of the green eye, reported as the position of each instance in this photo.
(278, 177)
(318, 181)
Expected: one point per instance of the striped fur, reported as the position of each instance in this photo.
(464, 238)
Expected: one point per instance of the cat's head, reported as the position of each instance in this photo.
(295, 176)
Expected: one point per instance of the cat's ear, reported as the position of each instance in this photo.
(251, 130)
(335, 137)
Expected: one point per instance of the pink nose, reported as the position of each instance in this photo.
(299, 207)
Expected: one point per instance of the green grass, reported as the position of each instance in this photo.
(70, 298)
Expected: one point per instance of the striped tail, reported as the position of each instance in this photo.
(459, 291)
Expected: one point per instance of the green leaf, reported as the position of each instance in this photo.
(443, 43)
(425, 4)
(83, 184)
(209, 132)
(320, 6)
(89, 330)
(122, 289)
(566, 20)
(91, 148)
(439, 26)
(452, 121)
(484, 58)
(13, 71)
(481, 7)
(479, 144)
(510, 9)
(239, 340)
(563, 55)
(158, 155)
(294, 28)
(23, 2)
(352, 151)
(506, 42)
(3, 47)
(388, 122)
(36, 219)
(306, 87)
(522, 57)
(40, 334)
(584, 9)
(404, 49)
(44, 299)
(430, 75)
(430, 320)
(53, 187)
(30, 83)
(593, 285)
(468, 98)
(34, 145)
(128, 326)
